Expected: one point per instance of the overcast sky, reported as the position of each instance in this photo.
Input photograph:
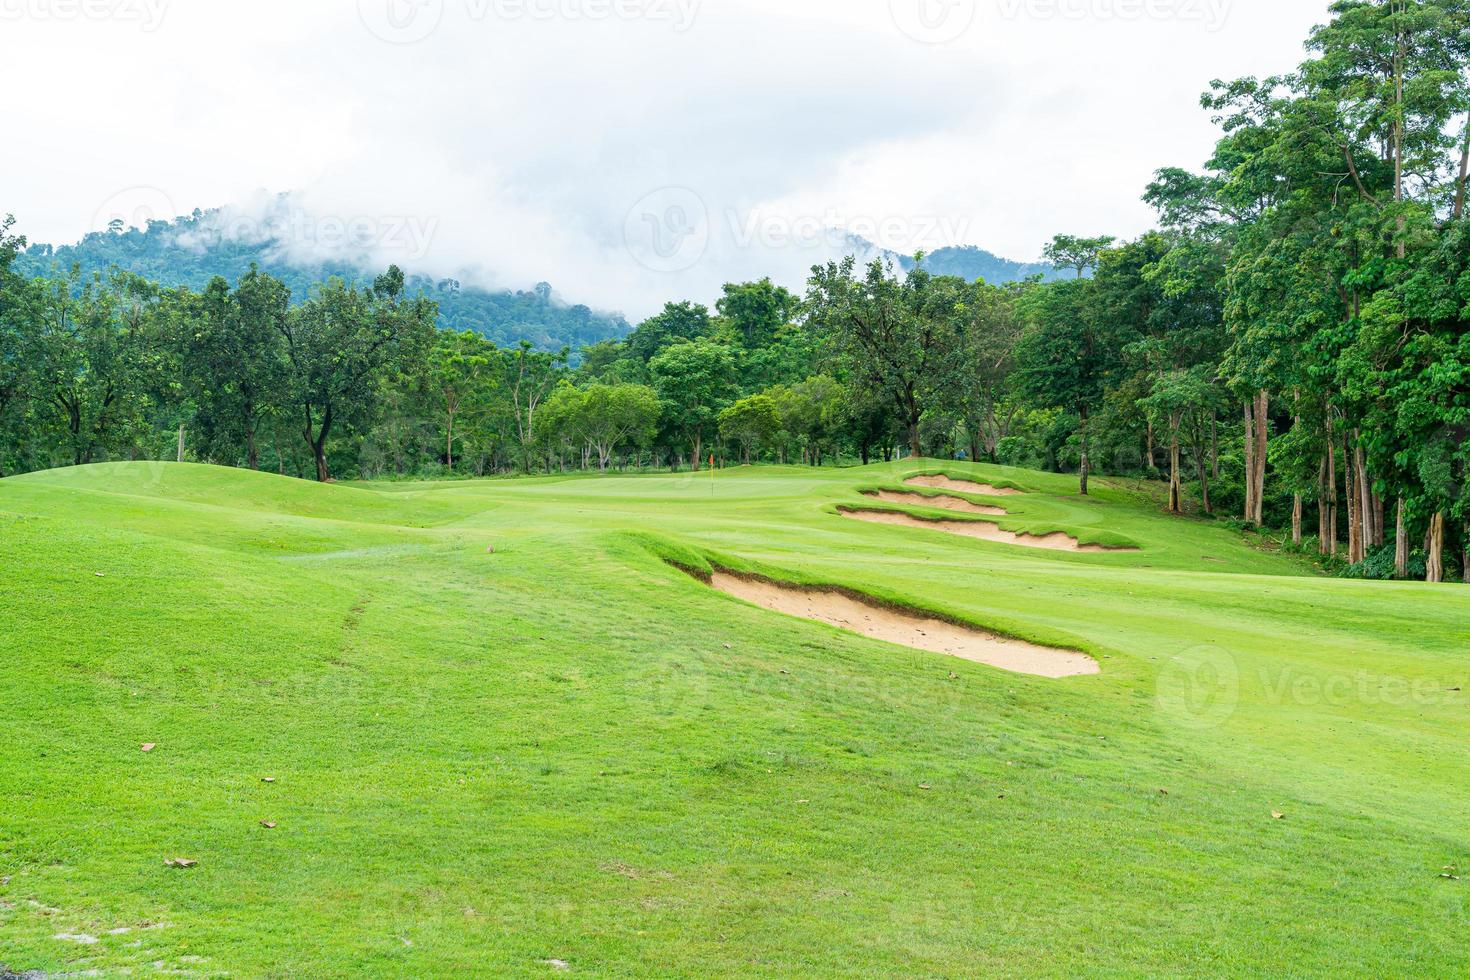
(628, 151)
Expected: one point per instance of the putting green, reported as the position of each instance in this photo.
(504, 734)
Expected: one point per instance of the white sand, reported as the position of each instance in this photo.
(983, 530)
(963, 486)
(940, 502)
(909, 629)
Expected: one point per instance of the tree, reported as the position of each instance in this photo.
(753, 423)
(1065, 357)
(695, 380)
(340, 343)
(233, 361)
(465, 373)
(1077, 254)
(898, 335)
(677, 321)
(91, 355)
(756, 311)
(989, 331)
(618, 416)
(531, 376)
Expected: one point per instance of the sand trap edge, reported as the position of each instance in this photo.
(955, 484)
(1082, 547)
(1086, 665)
(934, 501)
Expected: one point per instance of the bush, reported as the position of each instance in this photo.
(1379, 565)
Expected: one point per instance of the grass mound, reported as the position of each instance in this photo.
(501, 731)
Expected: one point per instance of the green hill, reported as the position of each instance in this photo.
(188, 252)
(495, 731)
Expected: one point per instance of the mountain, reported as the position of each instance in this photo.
(965, 261)
(189, 251)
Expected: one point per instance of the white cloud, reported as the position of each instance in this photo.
(523, 139)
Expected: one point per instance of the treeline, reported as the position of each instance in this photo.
(1289, 349)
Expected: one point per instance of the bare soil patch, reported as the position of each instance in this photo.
(983, 530)
(940, 502)
(910, 629)
(963, 486)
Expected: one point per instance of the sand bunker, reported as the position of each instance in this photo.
(983, 530)
(963, 486)
(941, 502)
(908, 629)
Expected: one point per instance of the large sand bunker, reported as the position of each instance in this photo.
(984, 530)
(963, 486)
(941, 502)
(907, 629)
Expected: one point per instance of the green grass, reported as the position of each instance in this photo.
(570, 750)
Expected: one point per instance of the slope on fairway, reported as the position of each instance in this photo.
(569, 750)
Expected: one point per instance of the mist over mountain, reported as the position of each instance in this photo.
(968, 262)
(193, 249)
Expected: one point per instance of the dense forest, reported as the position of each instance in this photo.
(193, 249)
(1288, 349)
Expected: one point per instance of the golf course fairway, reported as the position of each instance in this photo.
(507, 728)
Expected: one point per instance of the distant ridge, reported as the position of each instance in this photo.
(968, 262)
(189, 251)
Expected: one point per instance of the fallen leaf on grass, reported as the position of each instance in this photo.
(268, 824)
(1277, 815)
(267, 779)
(180, 863)
(148, 746)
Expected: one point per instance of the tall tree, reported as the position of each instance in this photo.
(339, 344)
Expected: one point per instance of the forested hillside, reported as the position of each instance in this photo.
(189, 252)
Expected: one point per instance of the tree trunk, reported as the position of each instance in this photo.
(1354, 504)
(1434, 546)
(1176, 485)
(1379, 534)
(1204, 484)
(1464, 174)
(1331, 496)
(1149, 446)
(1365, 494)
(1296, 519)
(323, 474)
(181, 442)
(1322, 506)
(252, 452)
(1400, 545)
(449, 443)
(1262, 423)
(1085, 469)
(1214, 448)
(1250, 462)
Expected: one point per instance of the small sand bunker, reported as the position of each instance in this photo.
(983, 530)
(963, 486)
(908, 629)
(941, 502)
